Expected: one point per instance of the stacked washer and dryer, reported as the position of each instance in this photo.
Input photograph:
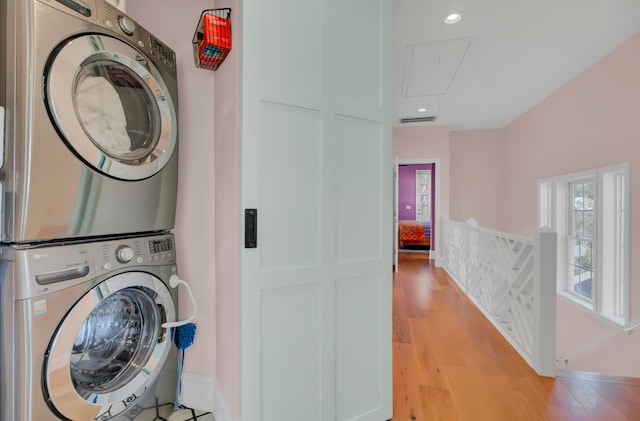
(88, 180)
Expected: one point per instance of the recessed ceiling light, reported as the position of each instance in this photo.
(422, 110)
(453, 17)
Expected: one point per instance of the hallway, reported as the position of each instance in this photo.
(450, 363)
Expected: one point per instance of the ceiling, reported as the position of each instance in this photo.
(501, 59)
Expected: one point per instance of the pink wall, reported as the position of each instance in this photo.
(227, 218)
(194, 229)
(590, 122)
(478, 179)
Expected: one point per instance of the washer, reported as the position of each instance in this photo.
(82, 331)
(91, 130)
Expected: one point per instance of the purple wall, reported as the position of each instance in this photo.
(407, 190)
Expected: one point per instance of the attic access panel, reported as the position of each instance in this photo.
(430, 68)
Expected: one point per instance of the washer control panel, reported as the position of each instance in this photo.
(137, 251)
(48, 268)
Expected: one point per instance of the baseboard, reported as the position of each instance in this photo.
(437, 261)
(598, 377)
(203, 392)
(198, 391)
(221, 411)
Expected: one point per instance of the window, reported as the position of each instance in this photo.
(589, 211)
(581, 229)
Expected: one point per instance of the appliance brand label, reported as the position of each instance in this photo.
(39, 307)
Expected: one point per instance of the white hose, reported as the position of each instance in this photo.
(174, 281)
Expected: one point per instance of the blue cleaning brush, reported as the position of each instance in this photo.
(183, 334)
(183, 337)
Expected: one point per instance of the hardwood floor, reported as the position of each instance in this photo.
(450, 363)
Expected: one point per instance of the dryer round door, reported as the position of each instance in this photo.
(111, 106)
(109, 348)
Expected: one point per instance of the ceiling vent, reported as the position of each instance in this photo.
(425, 119)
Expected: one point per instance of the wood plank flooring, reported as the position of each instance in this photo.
(450, 363)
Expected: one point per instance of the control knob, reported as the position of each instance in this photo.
(124, 254)
(127, 25)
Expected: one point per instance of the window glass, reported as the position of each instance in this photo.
(582, 268)
(581, 241)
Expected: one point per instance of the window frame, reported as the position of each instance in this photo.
(610, 243)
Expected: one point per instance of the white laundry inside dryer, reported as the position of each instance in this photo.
(102, 114)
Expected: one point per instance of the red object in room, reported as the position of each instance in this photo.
(212, 39)
(410, 232)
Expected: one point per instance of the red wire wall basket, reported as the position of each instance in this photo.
(212, 39)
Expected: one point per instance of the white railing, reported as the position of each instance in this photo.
(512, 280)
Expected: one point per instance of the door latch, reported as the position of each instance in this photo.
(250, 228)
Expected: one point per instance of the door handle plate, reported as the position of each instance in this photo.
(250, 228)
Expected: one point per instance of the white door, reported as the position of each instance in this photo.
(316, 146)
(423, 196)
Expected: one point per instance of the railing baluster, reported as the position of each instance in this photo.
(512, 281)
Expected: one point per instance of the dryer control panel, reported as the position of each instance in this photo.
(109, 17)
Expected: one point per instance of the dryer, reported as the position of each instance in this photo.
(84, 333)
(90, 142)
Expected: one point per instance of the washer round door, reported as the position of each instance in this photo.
(109, 348)
(111, 106)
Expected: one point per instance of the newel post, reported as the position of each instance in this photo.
(544, 303)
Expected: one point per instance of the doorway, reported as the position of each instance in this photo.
(416, 207)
